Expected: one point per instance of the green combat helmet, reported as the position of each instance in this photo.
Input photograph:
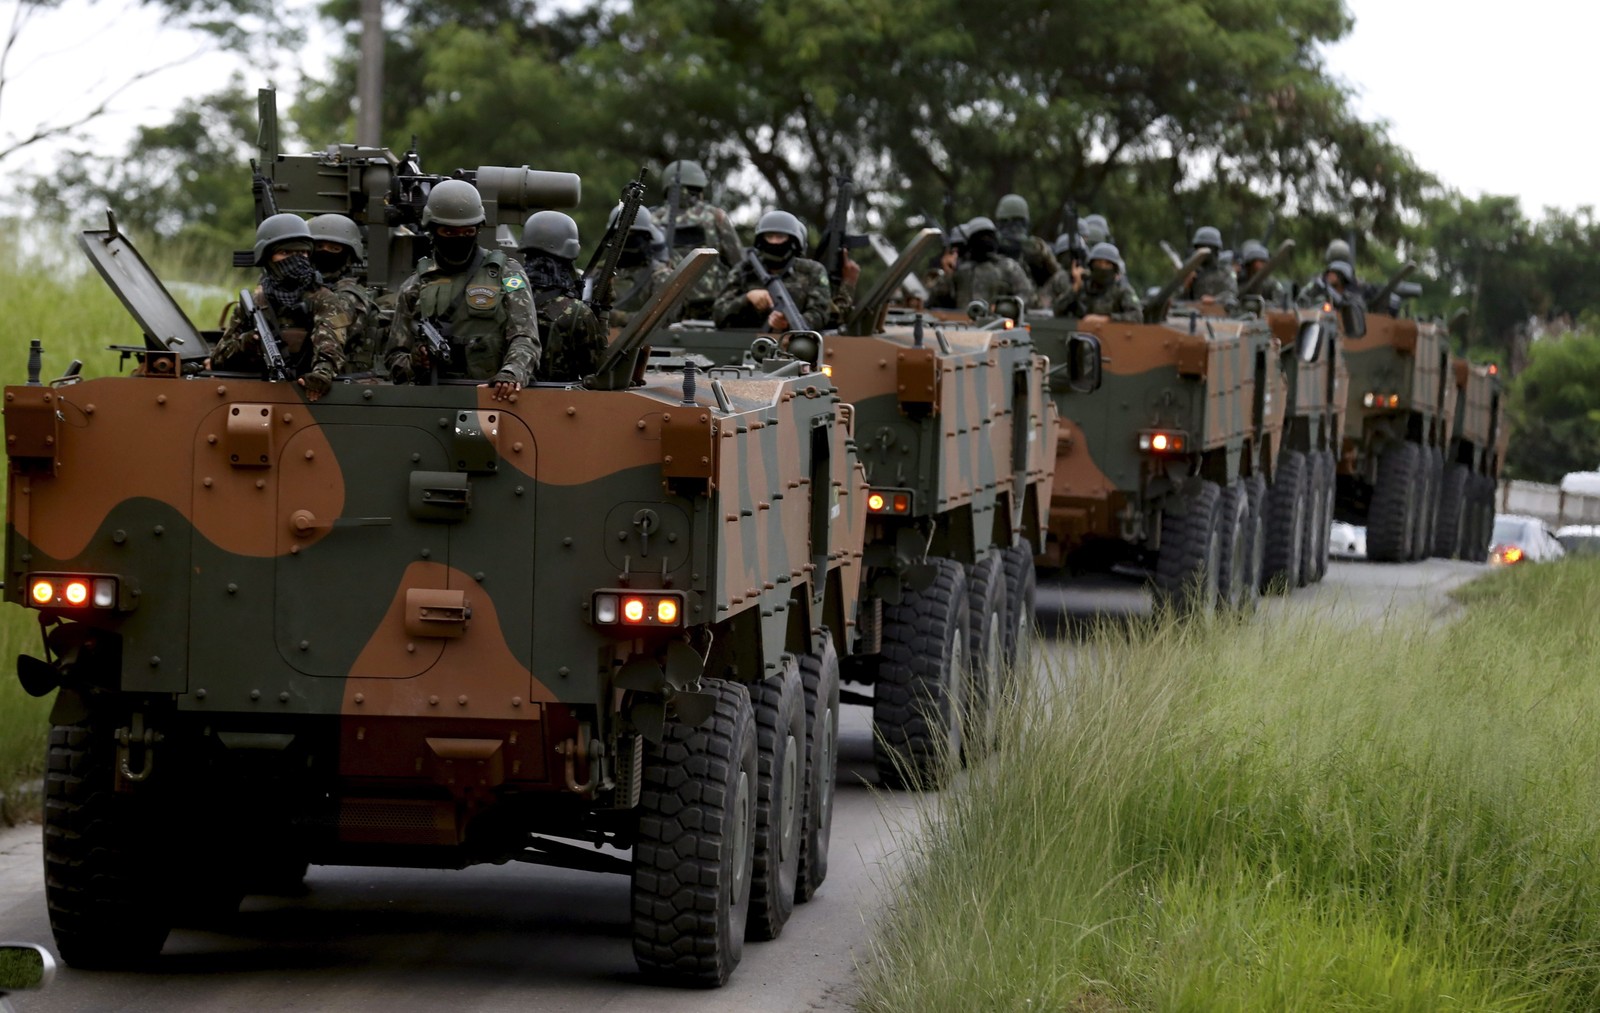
(453, 202)
(1338, 250)
(686, 174)
(1012, 207)
(551, 232)
(1094, 229)
(332, 228)
(644, 221)
(1209, 236)
(784, 223)
(1252, 251)
(277, 230)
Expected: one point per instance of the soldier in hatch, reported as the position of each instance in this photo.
(339, 255)
(1103, 292)
(1253, 257)
(697, 223)
(477, 298)
(745, 300)
(638, 272)
(574, 342)
(983, 272)
(1212, 282)
(312, 320)
(1017, 242)
(1094, 229)
(1337, 285)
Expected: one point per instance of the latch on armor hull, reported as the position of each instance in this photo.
(33, 428)
(917, 377)
(250, 436)
(440, 496)
(437, 612)
(476, 446)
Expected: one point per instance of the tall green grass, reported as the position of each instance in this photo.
(1295, 815)
(57, 300)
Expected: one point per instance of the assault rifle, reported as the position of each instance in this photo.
(782, 301)
(836, 240)
(277, 368)
(1077, 249)
(599, 282)
(438, 347)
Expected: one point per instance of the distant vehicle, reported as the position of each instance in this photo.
(1347, 541)
(1519, 539)
(1580, 539)
(1581, 483)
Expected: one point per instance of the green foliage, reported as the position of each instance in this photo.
(1554, 409)
(1276, 816)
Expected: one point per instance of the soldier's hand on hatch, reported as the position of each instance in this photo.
(760, 298)
(504, 389)
(1207, 300)
(1096, 318)
(1077, 275)
(312, 394)
(777, 323)
(851, 270)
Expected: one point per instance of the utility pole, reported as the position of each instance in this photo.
(369, 77)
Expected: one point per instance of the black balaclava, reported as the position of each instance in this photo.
(332, 264)
(1013, 233)
(636, 249)
(776, 257)
(453, 252)
(1102, 276)
(286, 282)
(982, 246)
(547, 272)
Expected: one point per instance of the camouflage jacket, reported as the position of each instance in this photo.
(702, 224)
(1217, 282)
(1270, 291)
(1316, 292)
(486, 312)
(1036, 258)
(574, 341)
(633, 288)
(368, 325)
(1117, 300)
(995, 277)
(807, 282)
(313, 335)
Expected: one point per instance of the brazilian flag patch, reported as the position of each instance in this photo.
(513, 282)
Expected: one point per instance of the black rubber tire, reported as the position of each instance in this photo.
(1483, 499)
(105, 874)
(1428, 489)
(1330, 489)
(919, 699)
(1256, 488)
(1288, 503)
(1188, 567)
(1316, 518)
(1021, 590)
(1435, 490)
(1393, 512)
(1238, 537)
(819, 676)
(695, 848)
(780, 708)
(988, 619)
(1450, 534)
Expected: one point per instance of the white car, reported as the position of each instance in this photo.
(1347, 541)
(1519, 539)
(1580, 539)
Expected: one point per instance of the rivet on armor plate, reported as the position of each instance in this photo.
(361, 698)
(433, 701)
(516, 701)
(411, 648)
(283, 697)
(462, 700)
(571, 410)
(255, 694)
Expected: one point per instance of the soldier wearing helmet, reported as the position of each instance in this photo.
(477, 298)
(698, 223)
(983, 272)
(1212, 282)
(1012, 223)
(1253, 257)
(312, 320)
(339, 256)
(1337, 285)
(1104, 292)
(745, 301)
(1094, 229)
(573, 340)
(639, 269)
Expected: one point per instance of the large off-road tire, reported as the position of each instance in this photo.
(780, 708)
(1316, 519)
(695, 849)
(1330, 486)
(1393, 514)
(919, 699)
(1482, 491)
(1235, 577)
(1288, 507)
(1021, 587)
(988, 621)
(1427, 504)
(1256, 488)
(1188, 567)
(1452, 530)
(819, 675)
(106, 881)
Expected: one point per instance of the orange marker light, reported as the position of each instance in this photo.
(667, 611)
(633, 610)
(1158, 441)
(77, 592)
(875, 502)
(1512, 555)
(43, 591)
(827, 370)
(1493, 369)
(902, 504)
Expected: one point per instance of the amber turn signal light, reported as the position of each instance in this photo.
(889, 501)
(637, 609)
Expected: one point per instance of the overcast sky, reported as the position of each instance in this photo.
(1491, 97)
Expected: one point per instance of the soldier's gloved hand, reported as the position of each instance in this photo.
(777, 323)
(505, 386)
(316, 385)
(400, 369)
(1077, 276)
(421, 361)
(850, 272)
(760, 298)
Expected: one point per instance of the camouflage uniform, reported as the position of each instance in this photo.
(807, 282)
(997, 276)
(574, 341)
(1116, 300)
(702, 224)
(633, 288)
(367, 324)
(1040, 263)
(1272, 291)
(313, 333)
(1216, 281)
(490, 316)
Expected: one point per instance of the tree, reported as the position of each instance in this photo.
(1554, 411)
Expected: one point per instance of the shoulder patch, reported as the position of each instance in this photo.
(512, 282)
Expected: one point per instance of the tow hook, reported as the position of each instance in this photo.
(129, 739)
(573, 750)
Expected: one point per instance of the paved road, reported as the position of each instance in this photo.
(524, 938)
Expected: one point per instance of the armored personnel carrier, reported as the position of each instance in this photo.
(415, 626)
(1473, 458)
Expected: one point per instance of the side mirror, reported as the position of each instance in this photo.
(1308, 342)
(807, 346)
(763, 347)
(1083, 363)
(25, 967)
(1354, 318)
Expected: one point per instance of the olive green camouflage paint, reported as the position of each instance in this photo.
(1408, 361)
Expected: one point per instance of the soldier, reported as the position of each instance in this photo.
(745, 301)
(698, 223)
(1104, 292)
(638, 272)
(1094, 229)
(1212, 283)
(1337, 285)
(955, 245)
(574, 342)
(478, 299)
(339, 255)
(983, 272)
(1017, 242)
(312, 320)
(1253, 257)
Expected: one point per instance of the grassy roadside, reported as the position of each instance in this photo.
(1279, 817)
(75, 316)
